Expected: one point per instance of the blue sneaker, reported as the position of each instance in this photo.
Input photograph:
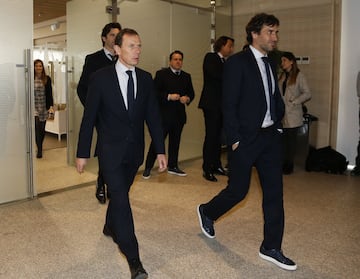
(277, 257)
(206, 224)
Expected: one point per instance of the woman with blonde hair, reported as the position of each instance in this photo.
(295, 92)
(43, 100)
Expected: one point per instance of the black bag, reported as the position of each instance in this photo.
(326, 160)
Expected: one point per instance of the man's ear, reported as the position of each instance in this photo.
(254, 34)
(117, 49)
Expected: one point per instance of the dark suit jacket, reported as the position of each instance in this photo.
(243, 86)
(166, 82)
(120, 138)
(211, 94)
(93, 62)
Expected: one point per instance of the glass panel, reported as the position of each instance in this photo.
(15, 170)
(13, 153)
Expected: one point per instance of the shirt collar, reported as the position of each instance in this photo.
(174, 71)
(220, 55)
(257, 53)
(107, 52)
(122, 68)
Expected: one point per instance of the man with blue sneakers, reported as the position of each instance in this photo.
(253, 109)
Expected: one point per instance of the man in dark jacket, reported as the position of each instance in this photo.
(174, 91)
(210, 103)
(253, 109)
(93, 62)
(120, 99)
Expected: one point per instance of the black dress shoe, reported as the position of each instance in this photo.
(209, 176)
(137, 270)
(39, 154)
(100, 193)
(220, 171)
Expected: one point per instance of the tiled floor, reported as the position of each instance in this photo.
(59, 235)
(52, 172)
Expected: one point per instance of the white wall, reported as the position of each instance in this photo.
(348, 120)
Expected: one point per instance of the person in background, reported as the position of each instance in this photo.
(356, 170)
(43, 101)
(93, 62)
(295, 92)
(120, 99)
(253, 110)
(174, 91)
(210, 103)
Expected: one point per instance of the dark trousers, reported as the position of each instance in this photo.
(100, 178)
(119, 217)
(265, 153)
(39, 133)
(173, 130)
(289, 145)
(212, 142)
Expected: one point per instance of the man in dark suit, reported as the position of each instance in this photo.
(253, 110)
(93, 62)
(120, 98)
(174, 91)
(210, 103)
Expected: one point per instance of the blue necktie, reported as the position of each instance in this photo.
(271, 95)
(130, 92)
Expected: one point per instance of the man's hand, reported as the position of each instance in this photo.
(80, 164)
(173, 97)
(184, 100)
(161, 158)
(234, 146)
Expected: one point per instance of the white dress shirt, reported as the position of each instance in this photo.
(123, 80)
(267, 120)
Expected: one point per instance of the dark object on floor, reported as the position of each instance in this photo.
(220, 171)
(355, 171)
(209, 176)
(326, 160)
(137, 270)
(100, 193)
(39, 154)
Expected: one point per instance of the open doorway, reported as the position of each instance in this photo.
(53, 172)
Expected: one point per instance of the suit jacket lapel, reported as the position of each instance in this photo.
(118, 94)
(257, 71)
(139, 90)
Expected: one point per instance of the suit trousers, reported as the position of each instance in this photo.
(212, 142)
(119, 218)
(289, 144)
(39, 133)
(265, 153)
(173, 130)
